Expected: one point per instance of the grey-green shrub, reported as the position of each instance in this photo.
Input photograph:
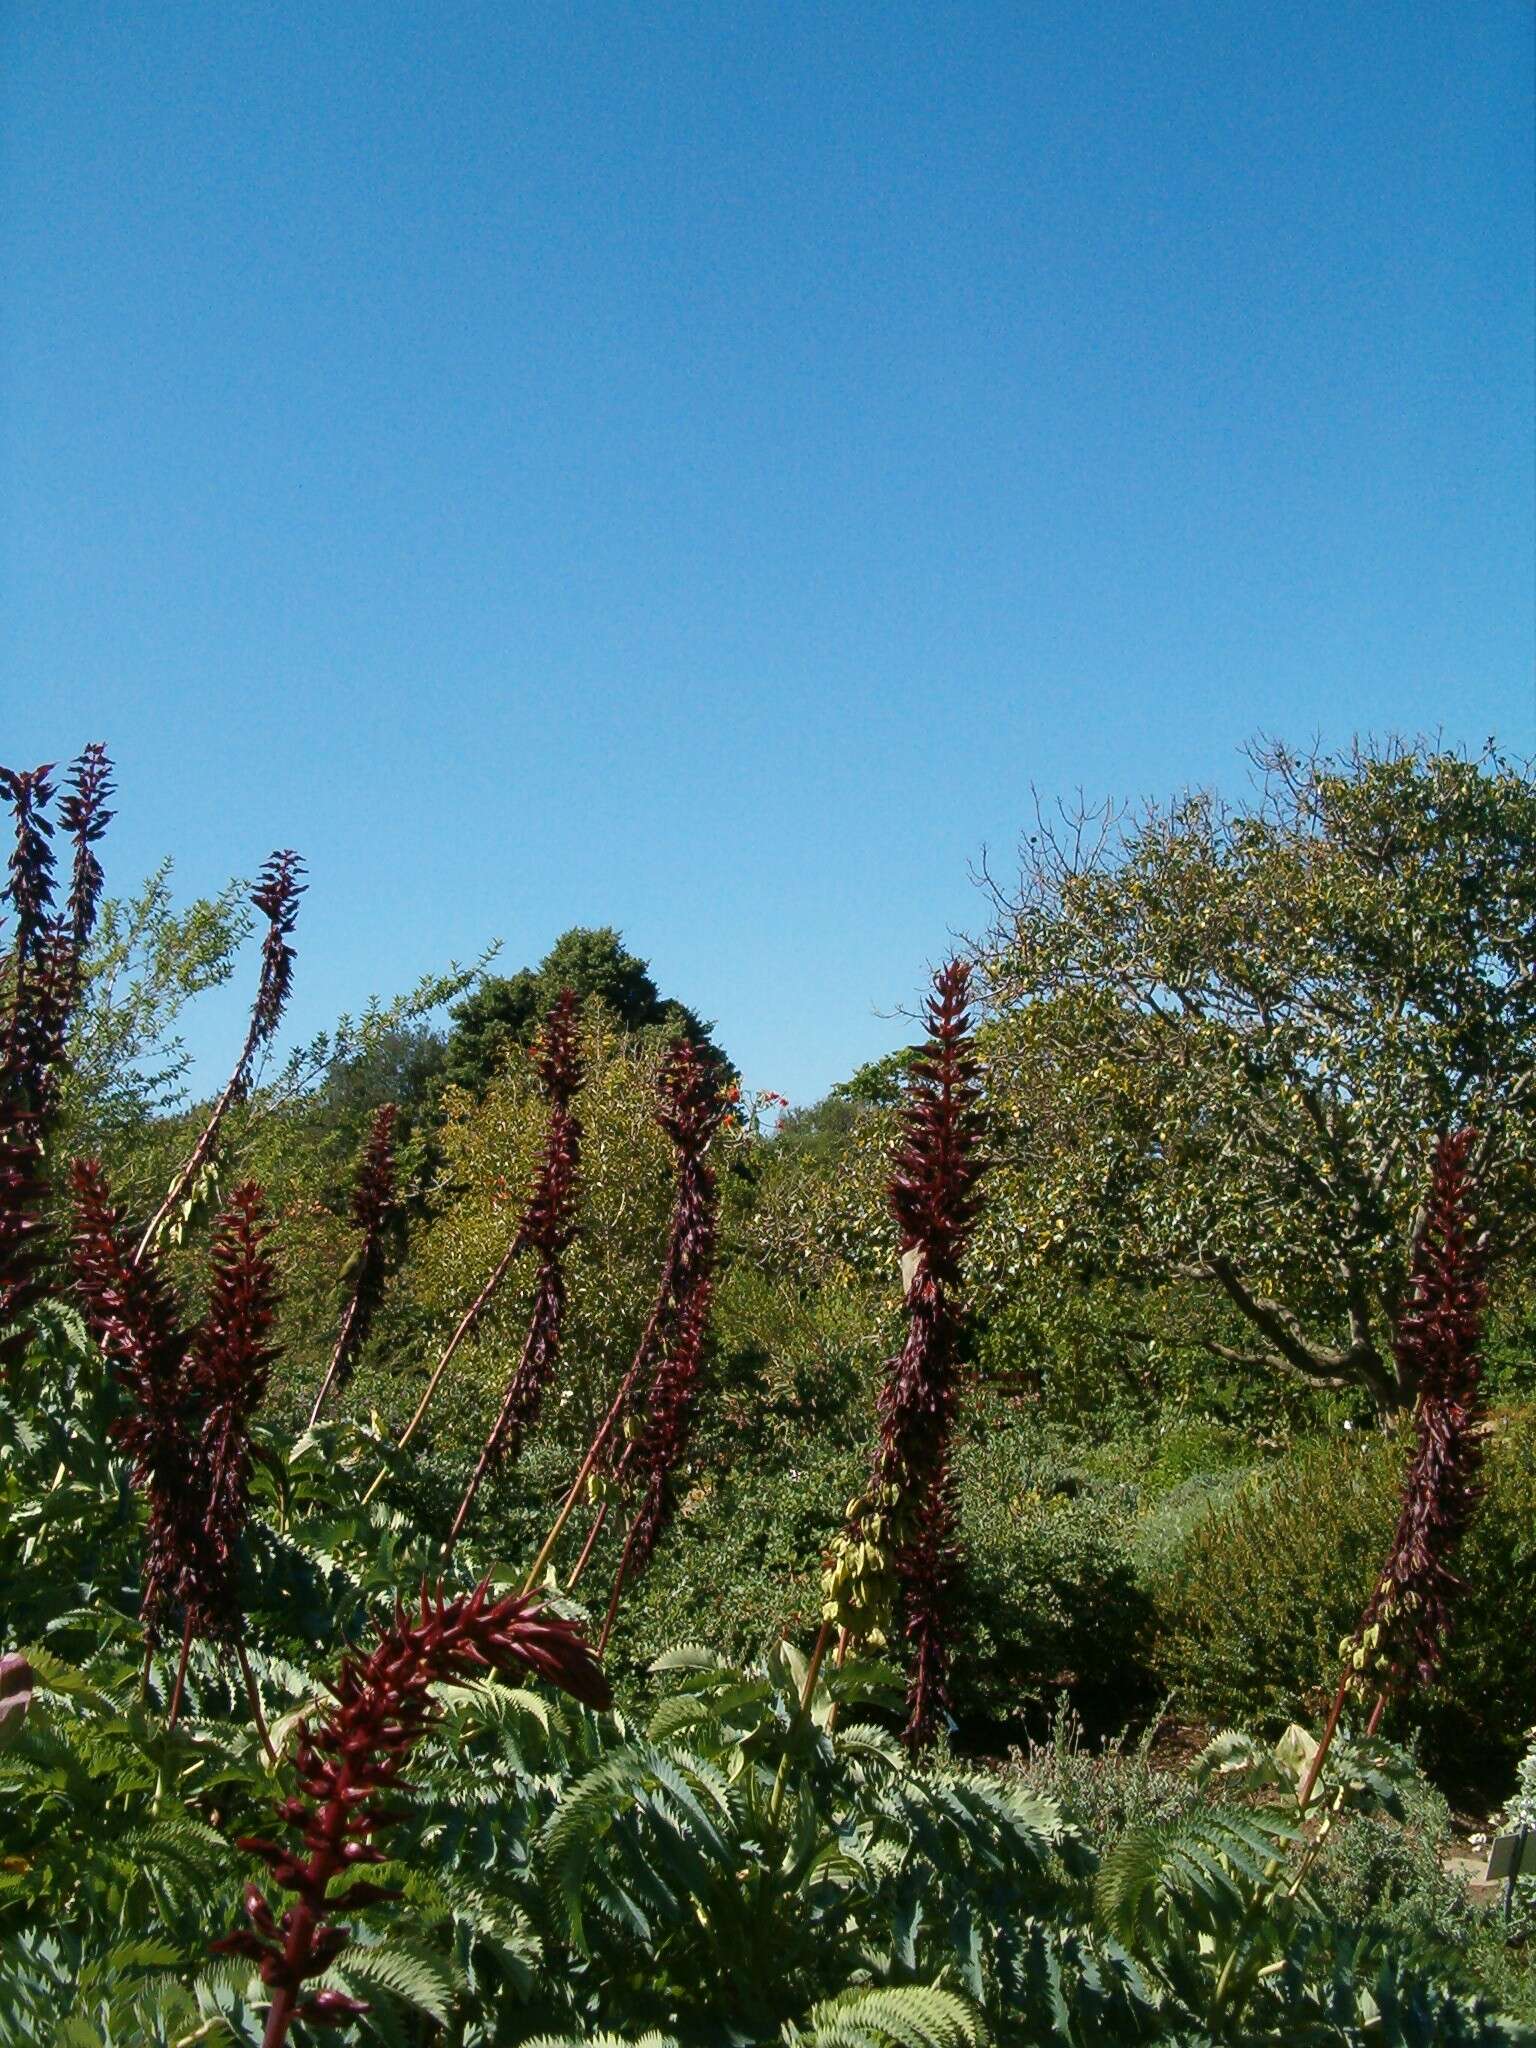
(1253, 1603)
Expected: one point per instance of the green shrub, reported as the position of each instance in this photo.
(1392, 1879)
(1108, 1789)
(1252, 1603)
(1379, 1872)
(1050, 1600)
(741, 1563)
(1194, 1448)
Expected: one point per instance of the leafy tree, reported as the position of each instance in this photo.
(402, 1065)
(489, 1150)
(505, 1011)
(825, 1128)
(147, 961)
(1226, 1035)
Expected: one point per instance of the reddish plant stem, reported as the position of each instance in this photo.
(542, 1340)
(621, 1399)
(280, 2011)
(181, 1674)
(198, 1157)
(589, 1546)
(254, 1699)
(1320, 1754)
(349, 1317)
(618, 1586)
(373, 1200)
(467, 1322)
(594, 1452)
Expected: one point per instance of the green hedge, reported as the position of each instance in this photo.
(1050, 1599)
(1251, 1605)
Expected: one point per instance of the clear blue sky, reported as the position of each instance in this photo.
(692, 468)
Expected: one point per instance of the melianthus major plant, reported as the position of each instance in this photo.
(899, 1553)
(192, 1397)
(355, 1761)
(276, 896)
(374, 1201)
(759, 1860)
(547, 1226)
(40, 977)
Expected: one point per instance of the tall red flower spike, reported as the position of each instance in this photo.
(227, 1370)
(39, 982)
(934, 1197)
(1437, 1351)
(690, 1110)
(658, 1450)
(135, 1321)
(192, 1396)
(373, 1204)
(85, 817)
(276, 896)
(353, 1766)
(548, 1225)
(29, 872)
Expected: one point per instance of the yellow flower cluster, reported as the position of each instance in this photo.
(1366, 1655)
(859, 1582)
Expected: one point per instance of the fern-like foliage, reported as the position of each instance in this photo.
(911, 2016)
(566, 1875)
(1228, 1950)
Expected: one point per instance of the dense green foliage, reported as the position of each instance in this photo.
(1255, 1600)
(503, 1012)
(1224, 1030)
(714, 1865)
(1170, 1510)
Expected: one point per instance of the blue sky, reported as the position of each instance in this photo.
(693, 468)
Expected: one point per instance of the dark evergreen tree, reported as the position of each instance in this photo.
(507, 1010)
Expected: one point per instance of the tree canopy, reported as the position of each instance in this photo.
(505, 1011)
(1225, 1037)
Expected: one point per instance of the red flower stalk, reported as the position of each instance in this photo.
(669, 1416)
(1437, 1351)
(40, 982)
(657, 1451)
(352, 1770)
(30, 869)
(276, 896)
(690, 1110)
(85, 817)
(1407, 1619)
(373, 1204)
(934, 1197)
(548, 1225)
(136, 1322)
(192, 1397)
(228, 1369)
